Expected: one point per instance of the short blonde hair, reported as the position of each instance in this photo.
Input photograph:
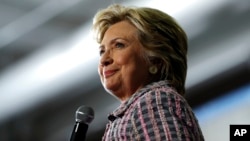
(160, 35)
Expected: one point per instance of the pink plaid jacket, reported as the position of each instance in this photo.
(155, 113)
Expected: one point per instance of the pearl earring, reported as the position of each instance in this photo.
(153, 69)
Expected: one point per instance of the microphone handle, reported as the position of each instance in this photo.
(79, 132)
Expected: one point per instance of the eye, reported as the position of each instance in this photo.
(101, 51)
(119, 45)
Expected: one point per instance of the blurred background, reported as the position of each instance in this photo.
(48, 65)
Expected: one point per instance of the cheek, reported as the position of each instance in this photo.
(99, 70)
(131, 66)
(122, 59)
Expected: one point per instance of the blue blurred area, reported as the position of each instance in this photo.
(223, 104)
(216, 116)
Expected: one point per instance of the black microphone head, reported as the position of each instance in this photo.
(84, 114)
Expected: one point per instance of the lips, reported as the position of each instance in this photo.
(109, 73)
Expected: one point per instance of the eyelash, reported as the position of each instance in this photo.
(117, 45)
(101, 51)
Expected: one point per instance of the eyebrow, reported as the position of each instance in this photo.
(101, 46)
(112, 41)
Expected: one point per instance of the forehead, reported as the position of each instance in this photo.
(121, 29)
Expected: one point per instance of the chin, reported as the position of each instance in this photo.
(111, 85)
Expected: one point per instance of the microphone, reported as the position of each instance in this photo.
(84, 115)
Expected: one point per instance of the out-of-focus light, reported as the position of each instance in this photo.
(78, 54)
(224, 104)
(217, 115)
(41, 75)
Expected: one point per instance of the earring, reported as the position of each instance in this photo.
(153, 69)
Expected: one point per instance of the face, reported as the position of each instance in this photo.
(122, 68)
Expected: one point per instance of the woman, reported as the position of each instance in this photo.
(143, 64)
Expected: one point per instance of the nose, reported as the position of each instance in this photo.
(106, 59)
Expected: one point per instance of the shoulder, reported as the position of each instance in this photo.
(164, 100)
(158, 110)
(160, 91)
(162, 95)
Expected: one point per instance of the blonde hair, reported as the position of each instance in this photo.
(161, 36)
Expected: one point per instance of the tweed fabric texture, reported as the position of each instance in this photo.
(155, 113)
